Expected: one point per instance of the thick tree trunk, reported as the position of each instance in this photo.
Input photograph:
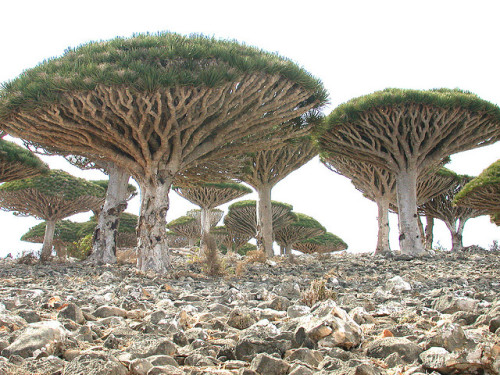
(152, 248)
(456, 235)
(50, 227)
(265, 221)
(429, 232)
(410, 240)
(205, 225)
(106, 232)
(383, 245)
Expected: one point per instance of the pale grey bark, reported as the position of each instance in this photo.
(106, 232)
(429, 232)
(50, 227)
(265, 220)
(383, 245)
(152, 248)
(410, 240)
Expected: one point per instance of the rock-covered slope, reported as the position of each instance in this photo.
(316, 314)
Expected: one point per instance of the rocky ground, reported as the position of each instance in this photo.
(313, 314)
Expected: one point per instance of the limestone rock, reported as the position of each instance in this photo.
(382, 348)
(265, 364)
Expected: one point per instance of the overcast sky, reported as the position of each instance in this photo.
(354, 47)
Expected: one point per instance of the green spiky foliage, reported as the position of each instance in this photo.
(242, 250)
(56, 183)
(242, 216)
(483, 192)
(301, 228)
(228, 240)
(51, 197)
(66, 232)
(146, 63)
(157, 105)
(409, 132)
(186, 226)
(324, 243)
(16, 162)
(127, 236)
(455, 217)
(212, 194)
(495, 218)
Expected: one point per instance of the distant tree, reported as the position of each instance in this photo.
(176, 240)
(409, 132)
(324, 243)
(16, 162)
(214, 216)
(156, 105)
(51, 197)
(241, 217)
(228, 239)
(186, 226)
(379, 185)
(442, 208)
(263, 171)
(65, 233)
(483, 192)
(301, 228)
(126, 236)
(208, 196)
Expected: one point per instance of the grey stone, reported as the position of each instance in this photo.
(288, 289)
(449, 304)
(241, 318)
(109, 311)
(494, 324)
(162, 360)
(12, 322)
(149, 346)
(296, 369)
(46, 335)
(296, 311)
(72, 312)
(165, 370)
(397, 285)
(29, 316)
(449, 336)
(265, 364)
(94, 363)
(382, 348)
(305, 355)
(246, 349)
(198, 360)
(434, 358)
(140, 366)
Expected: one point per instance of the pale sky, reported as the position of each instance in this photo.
(354, 47)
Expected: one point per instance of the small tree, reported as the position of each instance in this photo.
(324, 243)
(409, 132)
(302, 228)
(263, 171)
(242, 217)
(65, 233)
(156, 105)
(230, 240)
(51, 197)
(16, 162)
(483, 192)
(176, 240)
(379, 185)
(454, 217)
(186, 226)
(125, 234)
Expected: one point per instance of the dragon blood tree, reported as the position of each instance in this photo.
(455, 217)
(16, 162)
(303, 227)
(176, 240)
(324, 243)
(241, 217)
(186, 226)
(379, 185)
(263, 171)
(156, 105)
(409, 132)
(209, 196)
(483, 193)
(65, 233)
(126, 236)
(50, 197)
(228, 239)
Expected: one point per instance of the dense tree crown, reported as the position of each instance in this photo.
(409, 133)
(16, 162)
(324, 243)
(210, 194)
(301, 228)
(66, 232)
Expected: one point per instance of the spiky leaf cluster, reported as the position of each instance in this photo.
(324, 243)
(228, 239)
(16, 162)
(146, 63)
(242, 216)
(301, 228)
(483, 192)
(211, 195)
(66, 232)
